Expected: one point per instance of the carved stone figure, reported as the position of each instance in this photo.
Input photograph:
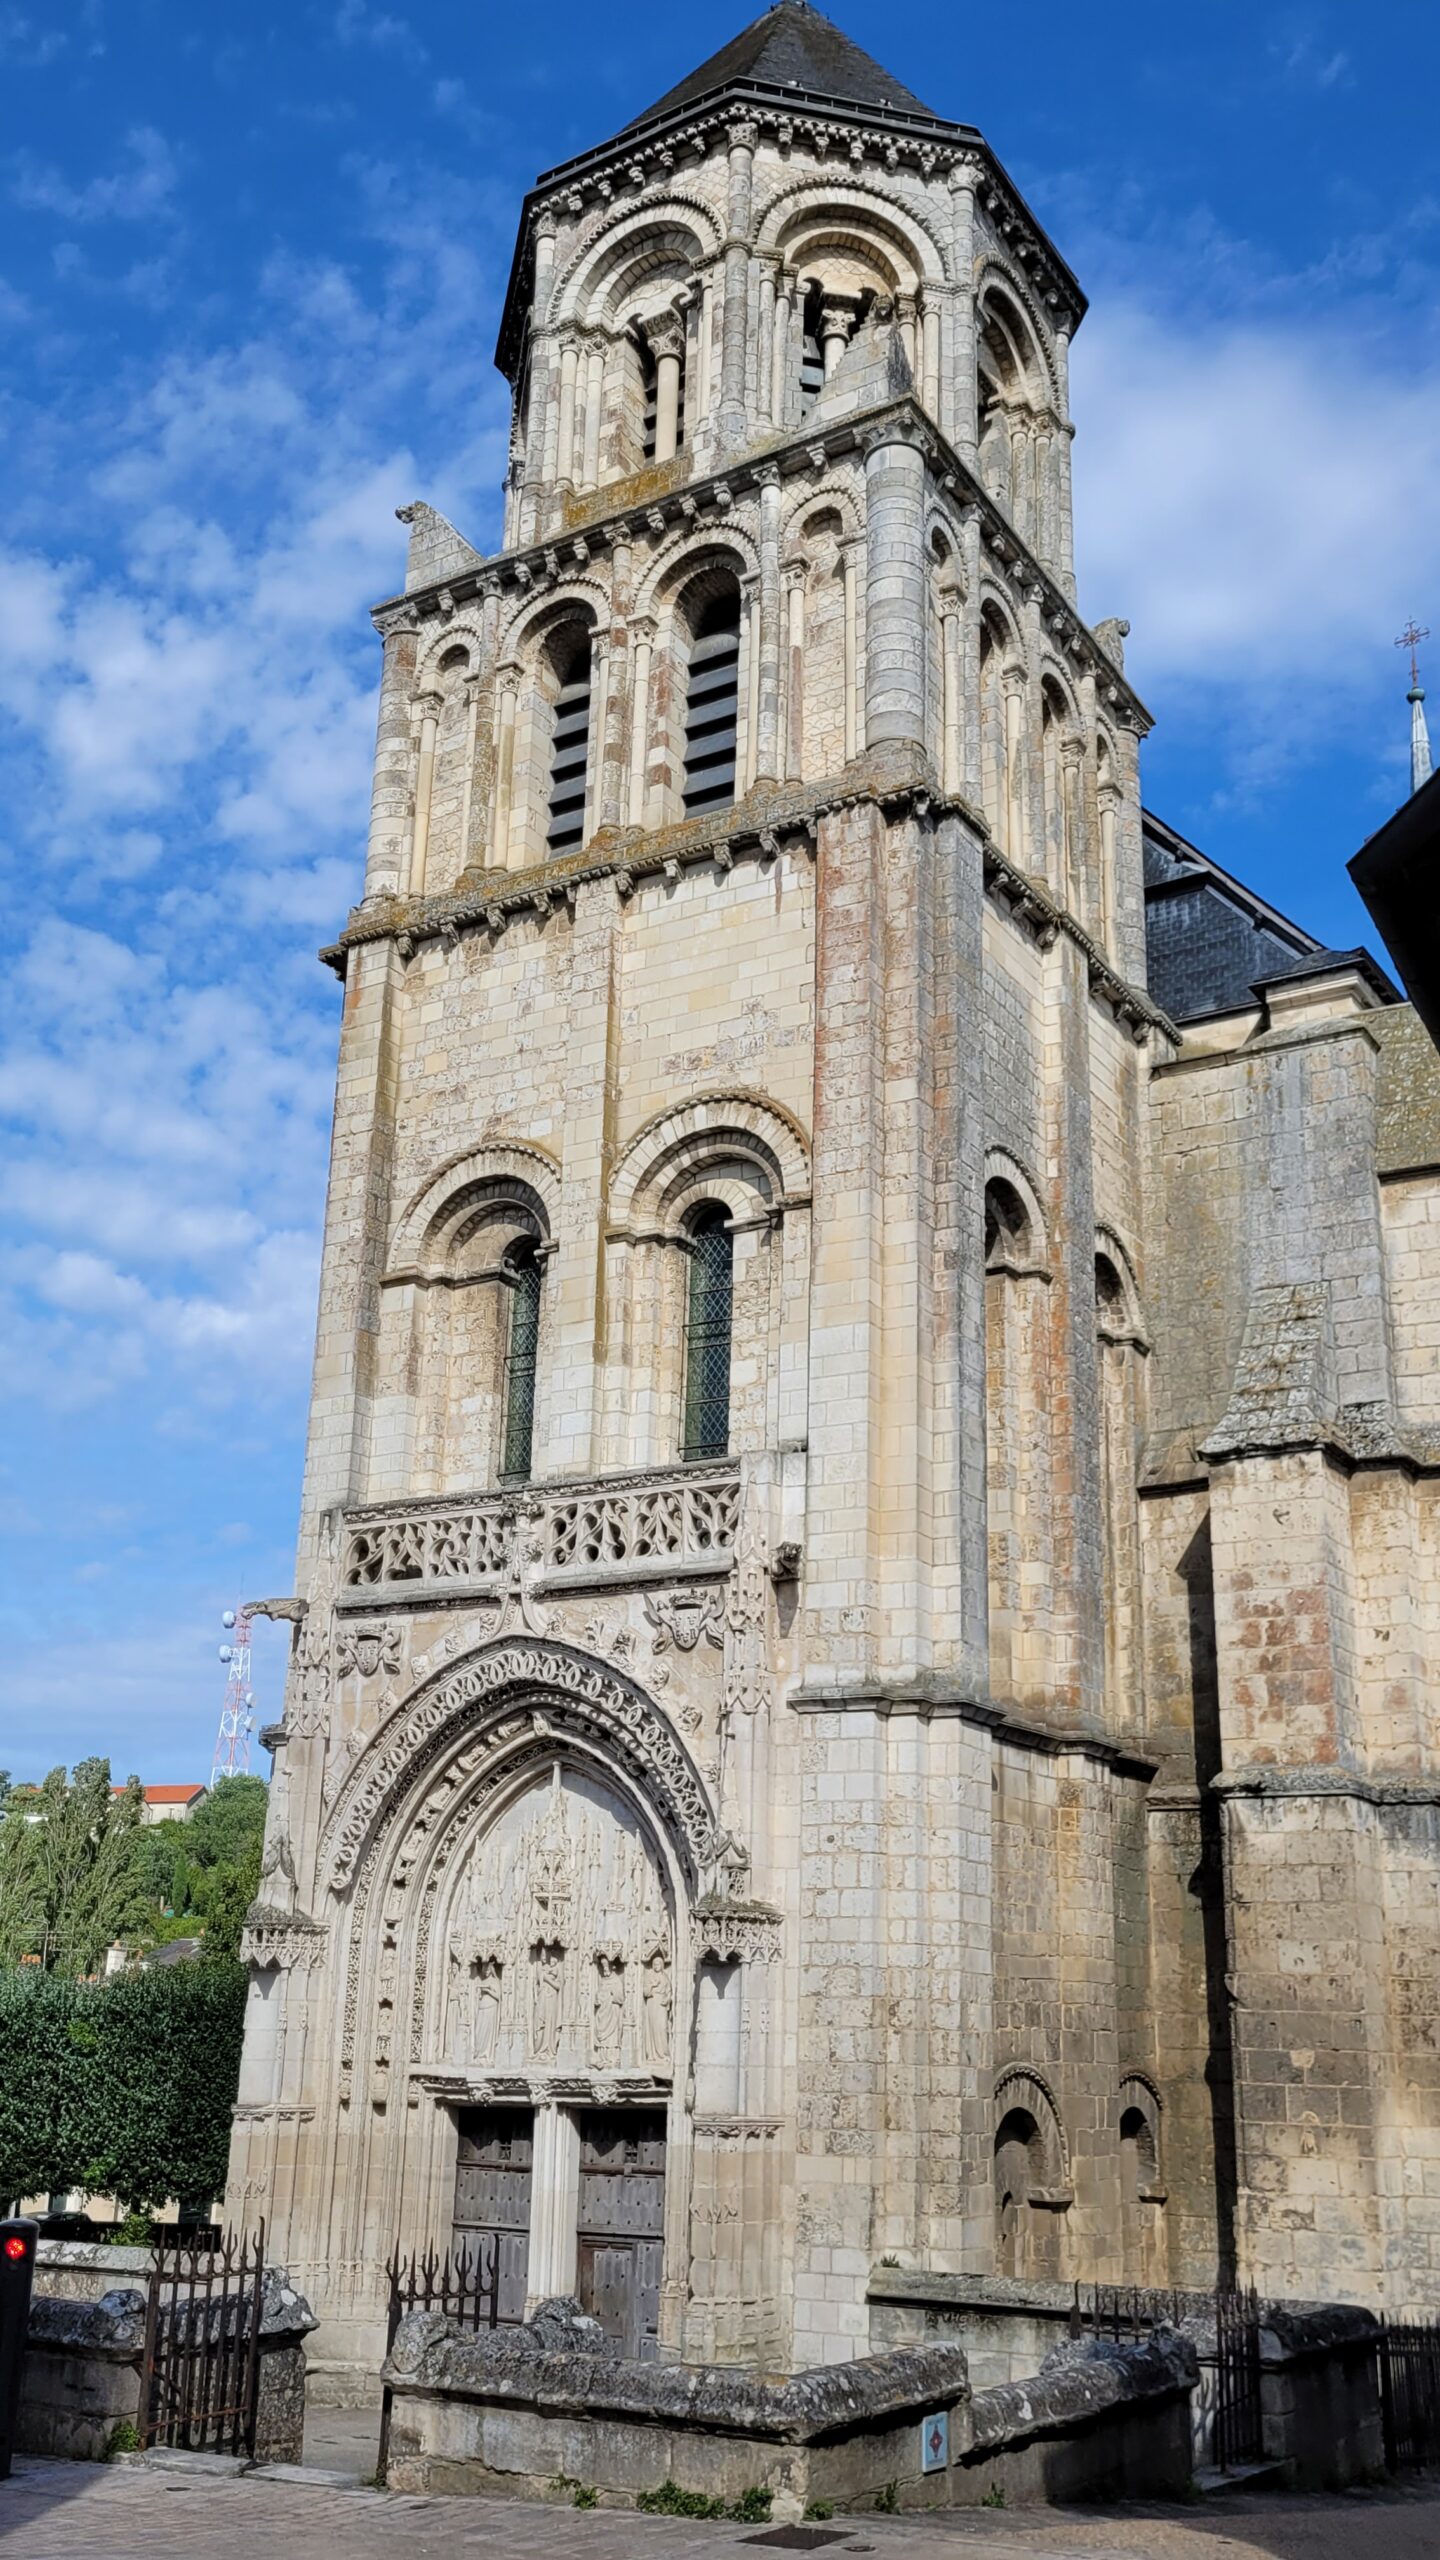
(658, 2007)
(547, 1999)
(609, 2006)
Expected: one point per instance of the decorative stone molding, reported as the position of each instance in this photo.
(570, 1693)
(289, 1942)
(644, 1527)
(726, 1932)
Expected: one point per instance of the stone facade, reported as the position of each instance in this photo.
(977, 1809)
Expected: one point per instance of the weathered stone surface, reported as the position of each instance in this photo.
(992, 1793)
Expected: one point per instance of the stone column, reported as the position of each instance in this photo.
(429, 706)
(930, 353)
(751, 644)
(905, 321)
(666, 336)
(1064, 543)
(734, 422)
(1072, 834)
(959, 410)
(836, 319)
(951, 751)
(780, 367)
(554, 2205)
(794, 670)
(505, 708)
(594, 406)
(973, 764)
(852, 559)
(601, 654)
(1109, 800)
(390, 787)
(894, 588)
(642, 642)
(765, 348)
(467, 785)
(1017, 833)
(565, 439)
(766, 762)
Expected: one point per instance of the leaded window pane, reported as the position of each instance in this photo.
(520, 1362)
(707, 1337)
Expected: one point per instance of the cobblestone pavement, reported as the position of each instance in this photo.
(70, 2511)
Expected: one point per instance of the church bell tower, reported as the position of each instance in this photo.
(716, 1689)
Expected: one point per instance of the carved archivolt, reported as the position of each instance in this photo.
(573, 1692)
(1025, 2089)
(442, 1199)
(739, 1122)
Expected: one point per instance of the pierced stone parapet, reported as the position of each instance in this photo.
(638, 1528)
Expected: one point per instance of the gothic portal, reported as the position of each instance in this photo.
(862, 1694)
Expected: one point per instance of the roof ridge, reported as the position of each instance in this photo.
(792, 46)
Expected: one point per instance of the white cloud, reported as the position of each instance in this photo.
(1258, 499)
(137, 189)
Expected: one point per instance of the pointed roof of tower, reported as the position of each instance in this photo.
(1419, 738)
(793, 47)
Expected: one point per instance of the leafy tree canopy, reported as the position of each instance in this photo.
(71, 1880)
(122, 2087)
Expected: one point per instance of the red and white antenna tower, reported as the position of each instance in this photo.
(237, 1716)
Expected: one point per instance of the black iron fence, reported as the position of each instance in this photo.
(1410, 2392)
(1239, 2429)
(200, 2372)
(465, 2285)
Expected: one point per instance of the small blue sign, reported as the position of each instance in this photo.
(935, 2442)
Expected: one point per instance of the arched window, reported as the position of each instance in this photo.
(707, 1334)
(570, 746)
(521, 1353)
(1018, 2168)
(712, 705)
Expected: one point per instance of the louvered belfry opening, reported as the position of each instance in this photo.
(649, 381)
(812, 354)
(570, 749)
(712, 701)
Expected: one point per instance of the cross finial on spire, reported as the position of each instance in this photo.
(1410, 638)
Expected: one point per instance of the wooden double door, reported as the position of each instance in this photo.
(622, 2223)
(491, 2236)
(620, 2235)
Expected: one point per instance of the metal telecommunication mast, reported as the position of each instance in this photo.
(237, 1716)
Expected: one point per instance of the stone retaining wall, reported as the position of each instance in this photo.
(516, 2413)
(82, 2371)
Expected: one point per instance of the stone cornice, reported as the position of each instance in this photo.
(756, 830)
(705, 503)
(1311, 1783)
(929, 1697)
(1357, 1435)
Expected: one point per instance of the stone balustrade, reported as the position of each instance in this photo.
(632, 1528)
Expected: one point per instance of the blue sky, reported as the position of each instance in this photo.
(250, 266)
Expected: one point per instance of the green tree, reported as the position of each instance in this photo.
(122, 2087)
(202, 1875)
(229, 1825)
(71, 1877)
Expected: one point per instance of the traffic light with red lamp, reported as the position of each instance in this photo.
(17, 2275)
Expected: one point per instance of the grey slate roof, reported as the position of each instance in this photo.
(793, 47)
(1210, 942)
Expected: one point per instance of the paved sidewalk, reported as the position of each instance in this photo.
(75, 2511)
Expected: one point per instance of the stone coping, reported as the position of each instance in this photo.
(114, 2326)
(284, 2311)
(1080, 2384)
(433, 2354)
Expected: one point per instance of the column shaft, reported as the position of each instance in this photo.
(894, 595)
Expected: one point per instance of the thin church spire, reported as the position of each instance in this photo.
(1410, 638)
